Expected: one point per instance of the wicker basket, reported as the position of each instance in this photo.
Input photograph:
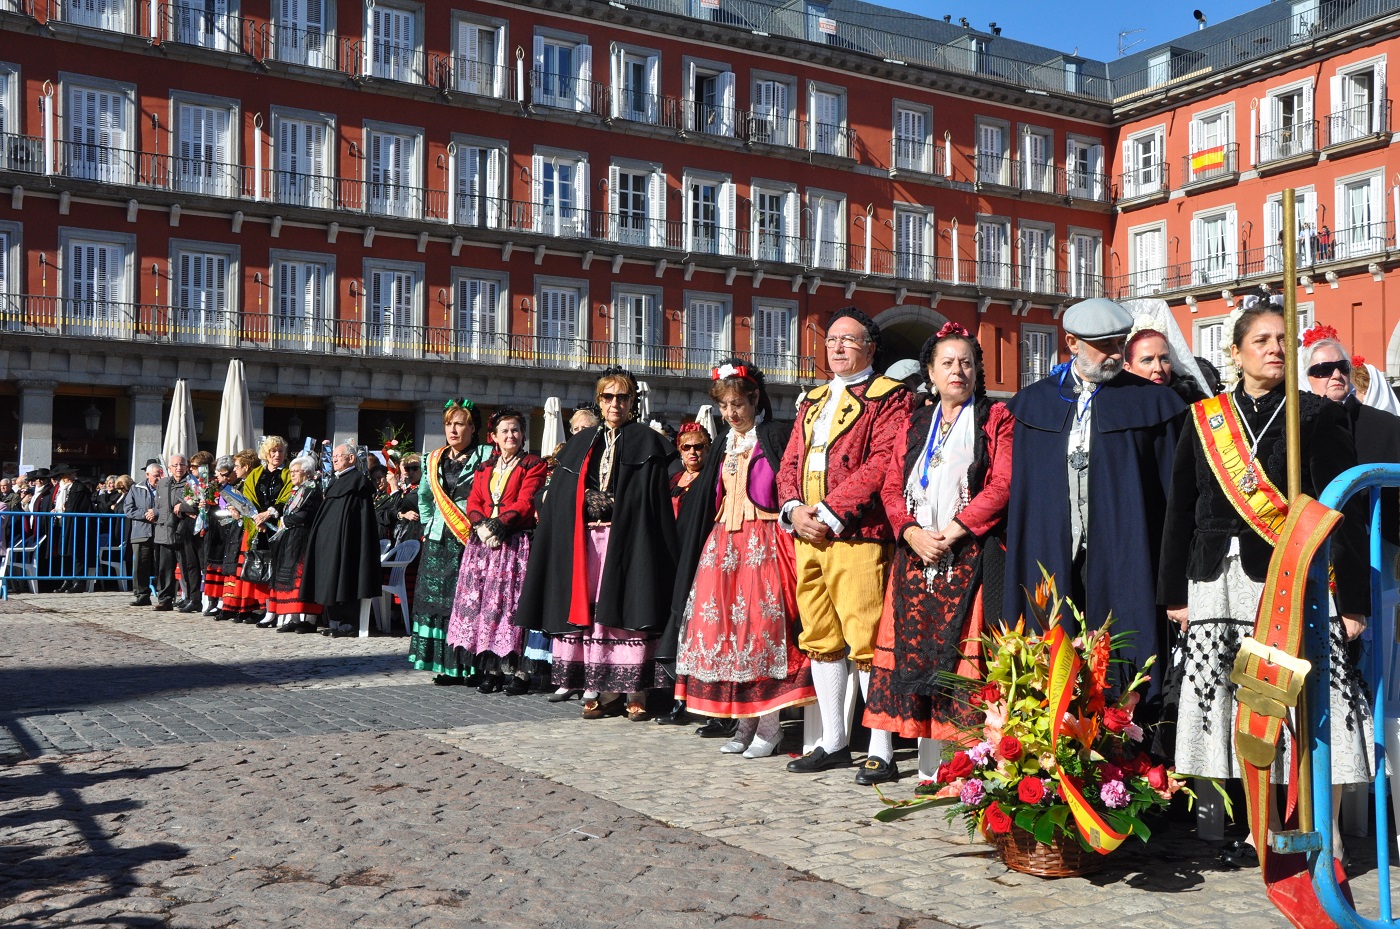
(1063, 857)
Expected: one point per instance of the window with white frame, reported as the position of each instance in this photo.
(1360, 216)
(1147, 249)
(98, 283)
(11, 263)
(1213, 237)
(1358, 103)
(559, 340)
(709, 214)
(478, 307)
(1305, 212)
(563, 75)
(478, 169)
(206, 23)
(1085, 263)
(391, 172)
(775, 228)
(1286, 126)
(709, 98)
(993, 252)
(637, 208)
(1212, 342)
(392, 297)
(202, 305)
(1305, 21)
(300, 32)
(774, 323)
(636, 85)
(479, 61)
(1037, 353)
(706, 330)
(9, 106)
(913, 139)
(771, 117)
(97, 14)
(993, 152)
(100, 124)
(559, 193)
(203, 156)
(913, 240)
(300, 159)
(827, 229)
(1144, 163)
(1212, 143)
(1159, 68)
(1037, 162)
(1084, 174)
(302, 297)
(826, 117)
(391, 44)
(1037, 265)
(637, 325)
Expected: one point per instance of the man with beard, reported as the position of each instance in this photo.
(1089, 480)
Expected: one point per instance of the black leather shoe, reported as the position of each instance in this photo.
(290, 627)
(189, 608)
(718, 729)
(876, 771)
(819, 759)
(212, 611)
(447, 680)
(141, 601)
(490, 684)
(1239, 854)
(222, 616)
(677, 717)
(165, 606)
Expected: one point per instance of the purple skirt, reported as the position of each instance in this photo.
(603, 658)
(488, 587)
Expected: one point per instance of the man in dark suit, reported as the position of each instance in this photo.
(71, 495)
(140, 507)
(174, 538)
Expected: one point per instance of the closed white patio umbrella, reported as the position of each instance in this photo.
(553, 432)
(180, 433)
(235, 413)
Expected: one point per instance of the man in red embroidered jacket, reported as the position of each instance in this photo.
(830, 482)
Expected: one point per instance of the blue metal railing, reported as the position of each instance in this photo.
(1317, 614)
(44, 548)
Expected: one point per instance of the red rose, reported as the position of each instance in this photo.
(1116, 720)
(990, 693)
(1110, 772)
(997, 820)
(1009, 748)
(1030, 790)
(960, 766)
(1157, 778)
(1139, 765)
(941, 776)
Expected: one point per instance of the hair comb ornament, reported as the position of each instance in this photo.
(1317, 333)
(951, 328)
(729, 370)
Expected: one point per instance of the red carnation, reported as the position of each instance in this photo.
(960, 766)
(997, 820)
(1030, 790)
(941, 776)
(1157, 778)
(1358, 361)
(1110, 772)
(1116, 720)
(1009, 747)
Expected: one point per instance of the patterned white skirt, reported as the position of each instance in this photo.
(1222, 612)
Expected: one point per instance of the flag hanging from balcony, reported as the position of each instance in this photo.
(1208, 159)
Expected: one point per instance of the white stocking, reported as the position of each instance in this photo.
(881, 745)
(829, 679)
(930, 757)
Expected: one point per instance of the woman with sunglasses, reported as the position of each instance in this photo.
(693, 442)
(440, 508)
(604, 557)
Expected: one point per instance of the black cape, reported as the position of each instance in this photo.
(1134, 426)
(697, 519)
(288, 546)
(639, 573)
(342, 550)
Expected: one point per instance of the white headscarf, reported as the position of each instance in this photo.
(1155, 315)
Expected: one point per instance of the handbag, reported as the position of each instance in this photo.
(257, 566)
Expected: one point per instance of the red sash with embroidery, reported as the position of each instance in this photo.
(451, 513)
(1263, 508)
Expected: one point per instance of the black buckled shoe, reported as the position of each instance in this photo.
(819, 759)
(876, 771)
(718, 729)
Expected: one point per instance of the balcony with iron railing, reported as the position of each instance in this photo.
(918, 156)
(1360, 126)
(469, 76)
(766, 127)
(1146, 183)
(219, 32)
(111, 320)
(1216, 164)
(1288, 145)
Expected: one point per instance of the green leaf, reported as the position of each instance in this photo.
(891, 813)
(1025, 818)
(1059, 813)
(1139, 828)
(1044, 830)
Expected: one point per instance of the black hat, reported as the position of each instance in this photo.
(62, 470)
(38, 474)
(152, 461)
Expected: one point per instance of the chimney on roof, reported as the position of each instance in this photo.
(963, 21)
(1200, 19)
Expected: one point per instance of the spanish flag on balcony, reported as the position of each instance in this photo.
(1208, 159)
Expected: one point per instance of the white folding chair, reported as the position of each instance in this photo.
(23, 561)
(384, 546)
(113, 558)
(397, 560)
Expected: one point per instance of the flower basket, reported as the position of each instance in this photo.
(1064, 856)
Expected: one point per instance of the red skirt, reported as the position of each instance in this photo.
(241, 596)
(289, 602)
(213, 582)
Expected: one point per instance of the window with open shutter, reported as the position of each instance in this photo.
(478, 179)
(203, 23)
(825, 116)
(772, 338)
(300, 163)
(475, 319)
(300, 32)
(99, 145)
(392, 44)
(300, 304)
(391, 171)
(389, 315)
(769, 229)
(201, 296)
(98, 14)
(702, 217)
(202, 149)
(96, 286)
(558, 324)
(1037, 355)
(704, 333)
(478, 66)
(910, 248)
(1037, 260)
(911, 141)
(637, 327)
(771, 122)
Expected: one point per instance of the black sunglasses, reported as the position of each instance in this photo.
(1327, 368)
(694, 448)
(614, 398)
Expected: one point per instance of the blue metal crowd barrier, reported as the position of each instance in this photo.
(1381, 668)
(43, 548)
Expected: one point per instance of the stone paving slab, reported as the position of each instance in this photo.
(387, 830)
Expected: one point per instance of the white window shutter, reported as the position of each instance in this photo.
(656, 209)
(726, 104)
(615, 81)
(781, 113)
(537, 193)
(792, 220)
(1378, 98)
(692, 103)
(584, 89)
(653, 89)
(537, 94)
(1195, 137)
(612, 200)
(1307, 114)
(492, 193)
(581, 192)
(728, 217)
(1339, 99)
(1232, 238)
(1129, 171)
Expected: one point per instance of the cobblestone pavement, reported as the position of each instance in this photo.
(187, 773)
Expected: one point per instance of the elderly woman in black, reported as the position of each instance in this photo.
(286, 609)
(604, 556)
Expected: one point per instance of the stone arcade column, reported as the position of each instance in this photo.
(147, 405)
(36, 423)
(427, 427)
(343, 419)
(256, 399)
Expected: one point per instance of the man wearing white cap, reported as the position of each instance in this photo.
(1089, 482)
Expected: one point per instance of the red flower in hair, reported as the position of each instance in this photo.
(1358, 361)
(952, 328)
(729, 370)
(1318, 333)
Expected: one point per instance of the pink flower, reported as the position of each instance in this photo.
(1113, 794)
(972, 793)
